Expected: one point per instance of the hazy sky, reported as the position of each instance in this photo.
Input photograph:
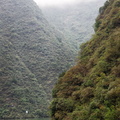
(58, 2)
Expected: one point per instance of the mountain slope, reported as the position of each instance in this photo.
(31, 52)
(74, 21)
(91, 89)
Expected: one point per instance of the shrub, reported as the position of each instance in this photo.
(110, 114)
(96, 115)
(76, 95)
(80, 115)
(117, 3)
(97, 25)
(38, 113)
(86, 94)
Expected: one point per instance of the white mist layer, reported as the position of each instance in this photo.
(44, 3)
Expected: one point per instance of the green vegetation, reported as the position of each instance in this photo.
(74, 21)
(31, 52)
(91, 89)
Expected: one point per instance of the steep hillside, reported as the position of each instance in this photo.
(91, 89)
(74, 21)
(19, 89)
(32, 55)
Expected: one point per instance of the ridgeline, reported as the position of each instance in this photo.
(32, 55)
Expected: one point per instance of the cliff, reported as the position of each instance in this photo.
(91, 89)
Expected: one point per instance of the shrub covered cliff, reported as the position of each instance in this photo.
(91, 89)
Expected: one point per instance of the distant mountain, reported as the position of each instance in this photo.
(75, 21)
(32, 55)
(91, 89)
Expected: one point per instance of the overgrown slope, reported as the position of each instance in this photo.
(20, 91)
(32, 55)
(91, 89)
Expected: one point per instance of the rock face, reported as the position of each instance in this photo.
(32, 55)
(91, 89)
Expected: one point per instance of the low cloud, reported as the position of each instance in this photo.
(44, 3)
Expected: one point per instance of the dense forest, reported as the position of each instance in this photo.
(90, 90)
(32, 55)
(35, 51)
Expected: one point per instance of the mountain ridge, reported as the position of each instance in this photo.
(30, 48)
(74, 21)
